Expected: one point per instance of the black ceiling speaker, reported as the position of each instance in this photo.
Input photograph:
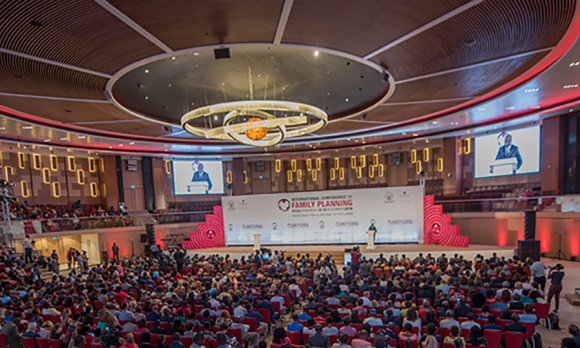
(385, 76)
(221, 53)
(168, 129)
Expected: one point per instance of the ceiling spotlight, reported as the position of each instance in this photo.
(570, 86)
(63, 139)
(132, 143)
(120, 145)
(481, 109)
(346, 100)
(404, 133)
(215, 117)
(146, 71)
(316, 53)
(46, 140)
(82, 137)
(415, 134)
(146, 97)
(510, 107)
(110, 147)
(435, 122)
(196, 53)
(173, 58)
(27, 127)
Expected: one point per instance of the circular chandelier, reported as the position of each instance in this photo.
(253, 122)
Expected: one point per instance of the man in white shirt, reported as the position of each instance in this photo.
(538, 270)
(278, 298)
(470, 322)
(240, 311)
(27, 250)
(449, 322)
(295, 287)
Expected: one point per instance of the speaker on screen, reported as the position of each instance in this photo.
(530, 225)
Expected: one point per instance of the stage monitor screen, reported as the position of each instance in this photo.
(508, 153)
(198, 177)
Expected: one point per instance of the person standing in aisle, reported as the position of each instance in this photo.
(115, 250)
(538, 270)
(27, 250)
(55, 262)
(556, 275)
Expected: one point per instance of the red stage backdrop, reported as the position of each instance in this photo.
(210, 234)
(437, 228)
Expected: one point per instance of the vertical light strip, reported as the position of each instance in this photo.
(363, 161)
(341, 173)
(53, 163)
(299, 175)
(375, 160)
(8, 171)
(81, 177)
(46, 175)
(381, 170)
(229, 177)
(336, 163)
(293, 165)
(92, 165)
(289, 175)
(467, 147)
(418, 167)
(167, 167)
(314, 175)
(440, 164)
(332, 174)
(37, 161)
(278, 166)
(413, 156)
(72, 165)
(309, 164)
(21, 160)
(318, 164)
(426, 154)
(353, 162)
(104, 190)
(56, 189)
(94, 190)
(371, 171)
(24, 189)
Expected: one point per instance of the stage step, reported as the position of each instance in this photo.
(574, 298)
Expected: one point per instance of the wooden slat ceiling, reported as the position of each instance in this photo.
(79, 33)
(66, 111)
(83, 34)
(185, 23)
(490, 30)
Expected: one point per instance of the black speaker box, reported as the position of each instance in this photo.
(143, 237)
(530, 225)
(529, 248)
(150, 234)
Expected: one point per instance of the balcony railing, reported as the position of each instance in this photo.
(512, 204)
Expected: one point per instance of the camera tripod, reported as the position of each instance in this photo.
(560, 254)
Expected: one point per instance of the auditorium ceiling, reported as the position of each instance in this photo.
(118, 75)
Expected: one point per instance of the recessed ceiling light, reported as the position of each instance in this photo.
(2, 128)
(571, 110)
(380, 147)
(82, 137)
(570, 86)
(192, 103)
(46, 140)
(415, 134)
(120, 145)
(347, 139)
(110, 147)
(481, 109)
(427, 140)
(215, 117)
(132, 143)
(146, 71)
(510, 107)
(63, 139)
(146, 97)
(27, 127)
(196, 53)
(346, 100)
(573, 64)
(404, 133)
(169, 85)
(173, 58)
(316, 53)
(435, 122)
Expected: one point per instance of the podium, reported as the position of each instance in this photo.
(198, 187)
(504, 166)
(371, 239)
(257, 245)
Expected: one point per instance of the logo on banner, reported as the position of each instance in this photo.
(400, 222)
(284, 205)
(210, 234)
(231, 205)
(390, 198)
(321, 224)
(298, 225)
(346, 223)
(230, 227)
(435, 228)
(274, 226)
(252, 227)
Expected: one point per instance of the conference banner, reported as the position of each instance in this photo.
(325, 217)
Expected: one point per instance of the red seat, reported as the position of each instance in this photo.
(530, 329)
(503, 323)
(164, 326)
(95, 345)
(482, 321)
(542, 310)
(493, 338)
(53, 343)
(445, 332)
(415, 330)
(3, 341)
(465, 333)
(305, 338)
(448, 345)
(513, 339)
(265, 313)
(29, 342)
(295, 337)
(332, 339)
(287, 301)
(231, 332)
(188, 341)
(414, 343)
(277, 307)
(41, 342)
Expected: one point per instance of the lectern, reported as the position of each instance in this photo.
(504, 166)
(198, 187)
(371, 239)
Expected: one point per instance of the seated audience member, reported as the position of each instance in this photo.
(372, 320)
(295, 326)
(389, 317)
(575, 332)
(309, 328)
(485, 312)
(516, 326)
(492, 324)
(347, 329)
(431, 330)
(528, 316)
(407, 333)
(362, 341)
(476, 337)
(280, 336)
(329, 329)
(342, 342)
(470, 322)
(455, 334)
(319, 339)
(449, 322)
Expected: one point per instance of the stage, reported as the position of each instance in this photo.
(337, 251)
